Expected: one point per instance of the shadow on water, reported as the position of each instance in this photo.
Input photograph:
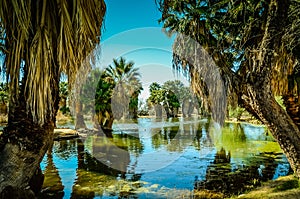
(229, 161)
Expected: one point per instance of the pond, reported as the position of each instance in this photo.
(162, 159)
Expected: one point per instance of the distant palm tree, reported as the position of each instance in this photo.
(63, 94)
(124, 76)
(42, 40)
(119, 86)
(4, 95)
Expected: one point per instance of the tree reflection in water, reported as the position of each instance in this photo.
(105, 163)
(231, 178)
(52, 186)
(228, 161)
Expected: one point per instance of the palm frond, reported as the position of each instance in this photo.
(41, 44)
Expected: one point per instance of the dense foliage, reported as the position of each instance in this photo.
(172, 95)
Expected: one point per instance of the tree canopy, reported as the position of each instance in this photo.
(232, 33)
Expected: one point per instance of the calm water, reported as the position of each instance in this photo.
(159, 159)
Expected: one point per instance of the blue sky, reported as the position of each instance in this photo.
(132, 31)
(122, 15)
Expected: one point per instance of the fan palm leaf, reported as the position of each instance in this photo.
(39, 45)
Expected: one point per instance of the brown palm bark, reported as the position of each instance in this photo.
(39, 46)
(260, 102)
(23, 145)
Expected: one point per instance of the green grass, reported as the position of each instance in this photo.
(286, 187)
(289, 184)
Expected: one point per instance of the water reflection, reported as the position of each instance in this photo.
(52, 187)
(227, 178)
(156, 159)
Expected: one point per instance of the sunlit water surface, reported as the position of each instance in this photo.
(158, 159)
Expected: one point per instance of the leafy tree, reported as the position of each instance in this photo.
(166, 96)
(177, 87)
(171, 103)
(186, 98)
(252, 45)
(42, 40)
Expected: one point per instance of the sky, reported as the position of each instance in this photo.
(132, 30)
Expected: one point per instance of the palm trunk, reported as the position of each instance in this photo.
(23, 145)
(158, 110)
(80, 124)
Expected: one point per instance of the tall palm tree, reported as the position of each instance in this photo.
(43, 38)
(246, 41)
(119, 86)
(124, 76)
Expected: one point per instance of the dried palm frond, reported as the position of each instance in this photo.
(42, 39)
(206, 79)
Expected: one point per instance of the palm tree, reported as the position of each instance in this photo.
(4, 95)
(39, 46)
(63, 94)
(156, 98)
(252, 46)
(103, 97)
(125, 76)
(135, 91)
(119, 86)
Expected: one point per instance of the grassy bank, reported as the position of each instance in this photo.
(287, 187)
